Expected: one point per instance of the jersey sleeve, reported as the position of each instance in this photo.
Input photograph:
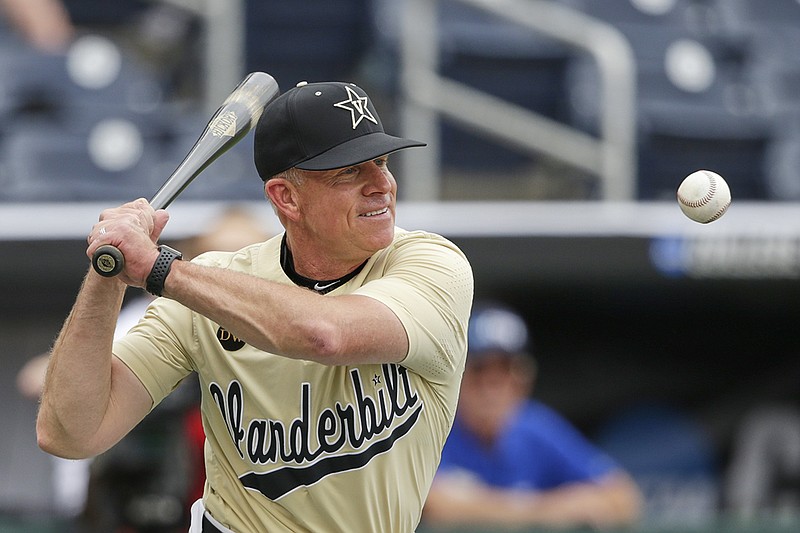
(428, 283)
(156, 350)
(159, 348)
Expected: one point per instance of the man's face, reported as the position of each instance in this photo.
(351, 210)
(492, 388)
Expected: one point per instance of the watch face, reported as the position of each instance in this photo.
(172, 251)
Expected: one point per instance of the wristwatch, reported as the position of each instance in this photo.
(155, 281)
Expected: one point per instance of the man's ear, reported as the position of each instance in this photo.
(283, 196)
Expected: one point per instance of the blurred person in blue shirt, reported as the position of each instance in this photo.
(511, 460)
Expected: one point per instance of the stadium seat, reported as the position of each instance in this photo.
(751, 17)
(504, 60)
(30, 82)
(697, 107)
(116, 160)
(487, 53)
(60, 114)
(320, 39)
(90, 79)
(535, 83)
(700, 103)
(738, 153)
(769, 31)
(700, 109)
(688, 14)
(102, 13)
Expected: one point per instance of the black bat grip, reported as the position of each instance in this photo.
(108, 261)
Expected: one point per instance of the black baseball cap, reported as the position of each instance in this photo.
(321, 126)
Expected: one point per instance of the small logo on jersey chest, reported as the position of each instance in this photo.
(228, 340)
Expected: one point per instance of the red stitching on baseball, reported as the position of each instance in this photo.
(712, 188)
(720, 212)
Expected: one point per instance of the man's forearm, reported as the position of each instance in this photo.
(614, 502)
(609, 503)
(78, 381)
(289, 320)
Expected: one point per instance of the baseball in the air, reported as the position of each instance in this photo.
(704, 196)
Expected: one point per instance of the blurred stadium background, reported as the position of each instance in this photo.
(559, 131)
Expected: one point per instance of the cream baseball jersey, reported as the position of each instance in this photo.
(294, 445)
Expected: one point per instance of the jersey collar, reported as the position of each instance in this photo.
(319, 286)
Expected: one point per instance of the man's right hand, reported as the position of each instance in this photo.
(134, 228)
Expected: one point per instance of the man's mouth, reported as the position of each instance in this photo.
(375, 213)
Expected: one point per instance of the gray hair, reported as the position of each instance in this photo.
(294, 175)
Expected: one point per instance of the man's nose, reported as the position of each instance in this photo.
(379, 178)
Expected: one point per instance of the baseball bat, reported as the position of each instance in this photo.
(237, 115)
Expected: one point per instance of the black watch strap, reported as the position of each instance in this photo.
(155, 281)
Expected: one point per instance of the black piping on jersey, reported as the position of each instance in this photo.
(318, 285)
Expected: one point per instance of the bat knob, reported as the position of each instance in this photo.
(108, 261)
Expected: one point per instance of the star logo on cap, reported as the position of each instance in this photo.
(357, 105)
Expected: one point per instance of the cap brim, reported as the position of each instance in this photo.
(358, 150)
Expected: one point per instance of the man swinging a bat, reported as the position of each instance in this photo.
(329, 356)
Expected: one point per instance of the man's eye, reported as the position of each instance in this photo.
(346, 171)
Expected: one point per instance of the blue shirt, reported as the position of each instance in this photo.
(538, 450)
